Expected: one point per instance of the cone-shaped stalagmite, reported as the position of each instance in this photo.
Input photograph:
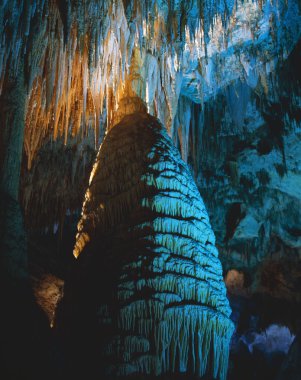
(162, 300)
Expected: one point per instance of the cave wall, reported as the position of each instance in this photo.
(245, 153)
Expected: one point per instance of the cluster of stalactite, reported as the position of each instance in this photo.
(76, 55)
(145, 232)
(78, 59)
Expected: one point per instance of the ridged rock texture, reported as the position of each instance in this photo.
(144, 230)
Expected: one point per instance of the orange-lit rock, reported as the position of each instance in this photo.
(48, 291)
(235, 281)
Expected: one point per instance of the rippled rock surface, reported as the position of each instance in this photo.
(145, 232)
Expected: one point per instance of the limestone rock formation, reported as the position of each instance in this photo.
(222, 76)
(291, 367)
(145, 233)
(250, 160)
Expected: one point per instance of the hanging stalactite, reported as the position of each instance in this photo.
(78, 54)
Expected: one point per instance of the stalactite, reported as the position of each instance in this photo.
(171, 313)
(92, 43)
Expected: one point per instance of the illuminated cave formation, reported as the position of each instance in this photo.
(165, 304)
(223, 79)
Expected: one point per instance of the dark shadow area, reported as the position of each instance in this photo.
(27, 347)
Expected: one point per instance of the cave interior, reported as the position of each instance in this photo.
(150, 189)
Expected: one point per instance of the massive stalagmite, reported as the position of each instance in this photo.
(161, 298)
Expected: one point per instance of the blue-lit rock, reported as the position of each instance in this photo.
(246, 157)
(144, 217)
